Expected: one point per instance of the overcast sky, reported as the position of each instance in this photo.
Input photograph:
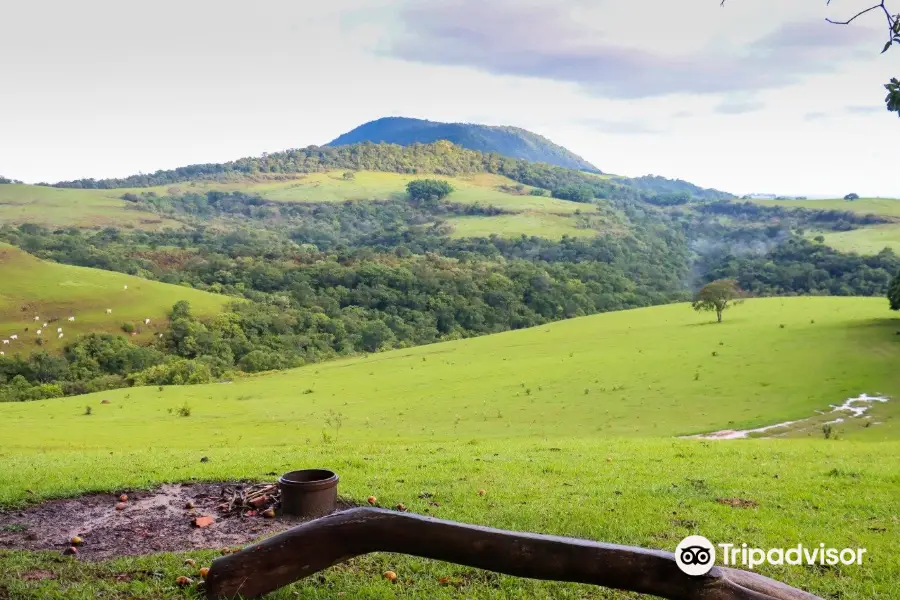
(756, 96)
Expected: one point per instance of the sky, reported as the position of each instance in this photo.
(754, 96)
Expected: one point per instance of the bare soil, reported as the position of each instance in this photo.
(152, 521)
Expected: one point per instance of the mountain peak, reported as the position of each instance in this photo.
(509, 141)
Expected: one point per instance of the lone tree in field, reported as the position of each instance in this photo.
(718, 296)
(851, 197)
(428, 192)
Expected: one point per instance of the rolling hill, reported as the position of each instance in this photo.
(866, 240)
(83, 208)
(568, 429)
(54, 292)
(505, 140)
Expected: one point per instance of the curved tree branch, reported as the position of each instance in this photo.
(311, 547)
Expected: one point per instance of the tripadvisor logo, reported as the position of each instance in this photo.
(696, 555)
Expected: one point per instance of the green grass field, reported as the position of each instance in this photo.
(886, 207)
(32, 287)
(571, 428)
(866, 240)
(869, 240)
(372, 185)
(526, 223)
(56, 207)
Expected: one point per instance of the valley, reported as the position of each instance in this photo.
(515, 348)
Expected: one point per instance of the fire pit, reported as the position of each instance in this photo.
(308, 493)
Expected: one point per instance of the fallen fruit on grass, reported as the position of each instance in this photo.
(190, 562)
(123, 498)
(204, 571)
(269, 513)
(184, 581)
(77, 541)
(481, 492)
(401, 507)
(390, 576)
(372, 500)
(71, 550)
(121, 506)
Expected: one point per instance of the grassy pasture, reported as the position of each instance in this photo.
(50, 290)
(886, 207)
(57, 207)
(869, 240)
(481, 188)
(569, 427)
(525, 223)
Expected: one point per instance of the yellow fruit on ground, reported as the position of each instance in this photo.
(390, 576)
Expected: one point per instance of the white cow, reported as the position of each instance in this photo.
(37, 318)
(146, 321)
(59, 336)
(39, 331)
(45, 324)
(59, 330)
(71, 318)
(6, 342)
(160, 335)
(126, 287)
(14, 336)
(109, 311)
(2, 353)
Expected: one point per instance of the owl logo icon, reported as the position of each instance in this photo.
(695, 555)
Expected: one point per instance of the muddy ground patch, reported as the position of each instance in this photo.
(158, 520)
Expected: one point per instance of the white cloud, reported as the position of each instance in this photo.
(100, 88)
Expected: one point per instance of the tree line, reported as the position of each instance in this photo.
(438, 158)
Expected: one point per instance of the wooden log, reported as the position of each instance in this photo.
(316, 545)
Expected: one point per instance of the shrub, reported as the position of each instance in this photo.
(128, 327)
(176, 372)
(574, 193)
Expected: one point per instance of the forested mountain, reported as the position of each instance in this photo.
(508, 141)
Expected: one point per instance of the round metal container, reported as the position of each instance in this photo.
(308, 493)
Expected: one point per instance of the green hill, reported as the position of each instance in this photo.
(508, 141)
(55, 292)
(866, 240)
(90, 208)
(569, 428)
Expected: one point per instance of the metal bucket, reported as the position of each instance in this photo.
(309, 493)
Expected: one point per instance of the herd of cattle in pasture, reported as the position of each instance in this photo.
(59, 330)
